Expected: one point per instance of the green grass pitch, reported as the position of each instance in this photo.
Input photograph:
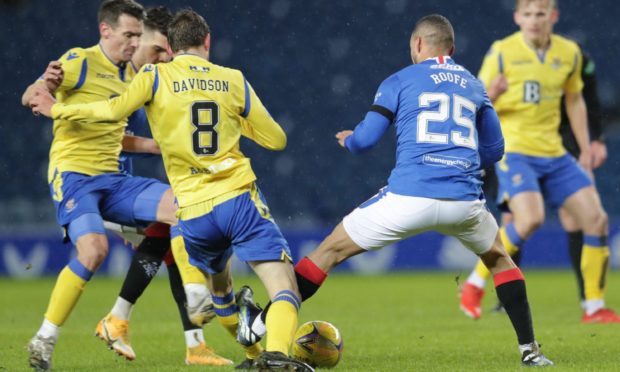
(396, 322)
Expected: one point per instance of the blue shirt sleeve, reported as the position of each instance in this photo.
(386, 99)
(490, 138)
(367, 133)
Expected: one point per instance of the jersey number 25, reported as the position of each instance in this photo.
(441, 115)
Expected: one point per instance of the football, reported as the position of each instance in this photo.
(318, 343)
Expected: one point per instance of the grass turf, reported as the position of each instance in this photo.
(396, 322)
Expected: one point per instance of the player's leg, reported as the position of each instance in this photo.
(145, 263)
(569, 186)
(585, 206)
(84, 227)
(478, 232)
(199, 302)
(197, 352)
(524, 199)
(574, 235)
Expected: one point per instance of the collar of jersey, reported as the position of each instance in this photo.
(438, 60)
(190, 55)
(121, 65)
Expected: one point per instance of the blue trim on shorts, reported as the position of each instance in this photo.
(287, 296)
(513, 235)
(375, 198)
(89, 223)
(79, 269)
(595, 241)
(147, 202)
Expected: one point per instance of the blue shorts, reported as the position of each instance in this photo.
(556, 178)
(241, 224)
(114, 197)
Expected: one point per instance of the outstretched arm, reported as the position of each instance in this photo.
(259, 126)
(366, 134)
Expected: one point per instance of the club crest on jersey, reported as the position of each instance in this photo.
(70, 206)
(556, 63)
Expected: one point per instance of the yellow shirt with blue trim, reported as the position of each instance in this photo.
(529, 110)
(197, 111)
(89, 76)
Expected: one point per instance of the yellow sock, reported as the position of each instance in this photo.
(67, 291)
(594, 264)
(281, 321)
(189, 273)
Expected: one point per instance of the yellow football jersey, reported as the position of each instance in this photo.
(91, 149)
(529, 110)
(197, 111)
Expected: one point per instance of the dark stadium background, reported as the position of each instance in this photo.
(316, 66)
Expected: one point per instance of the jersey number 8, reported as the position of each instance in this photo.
(442, 115)
(204, 127)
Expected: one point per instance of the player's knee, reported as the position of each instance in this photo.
(530, 223)
(599, 221)
(92, 256)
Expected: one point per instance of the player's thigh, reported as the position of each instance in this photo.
(387, 218)
(134, 201)
(277, 276)
(564, 178)
(586, 208)
(470, 222)
(515, 174)
(206, 243)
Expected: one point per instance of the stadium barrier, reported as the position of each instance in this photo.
(35, 255)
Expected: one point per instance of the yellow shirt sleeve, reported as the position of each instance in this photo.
(259, 126)
(492, 65)
(574, 83)
(74, 67)
(140, 91)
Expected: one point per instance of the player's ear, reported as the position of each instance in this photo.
(104, 30)
(452, 50)
(169, 50)
(555, 16)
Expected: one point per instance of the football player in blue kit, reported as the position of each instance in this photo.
(446, 131)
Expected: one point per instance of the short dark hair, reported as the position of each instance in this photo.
(187, 29)
(435, 29)
(111, 10)
(158, 19)
(520, 3)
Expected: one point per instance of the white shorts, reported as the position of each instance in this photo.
(387, 218)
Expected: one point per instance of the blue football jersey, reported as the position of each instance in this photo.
(445, 123)
(137, 125)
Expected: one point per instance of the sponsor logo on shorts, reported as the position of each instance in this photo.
(517, 179)
(70, 206)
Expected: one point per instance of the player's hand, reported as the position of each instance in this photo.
(498, 86)
(53, 75)
(599, 153)
(342, 135)
(42, 102)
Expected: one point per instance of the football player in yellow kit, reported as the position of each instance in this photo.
(526, 75)
(197, 112)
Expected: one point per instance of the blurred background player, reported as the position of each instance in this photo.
(155, 246)
(527, 73)
(83, 175)
(599, 155)
(446, 130)
(220, 206)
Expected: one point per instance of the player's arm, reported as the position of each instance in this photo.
(378, 119)
(492, 73)
(139, 144)
(141, 90)
(490, 138)
(258, 125)
(577, 112)
(66, 73)
(595, 122)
